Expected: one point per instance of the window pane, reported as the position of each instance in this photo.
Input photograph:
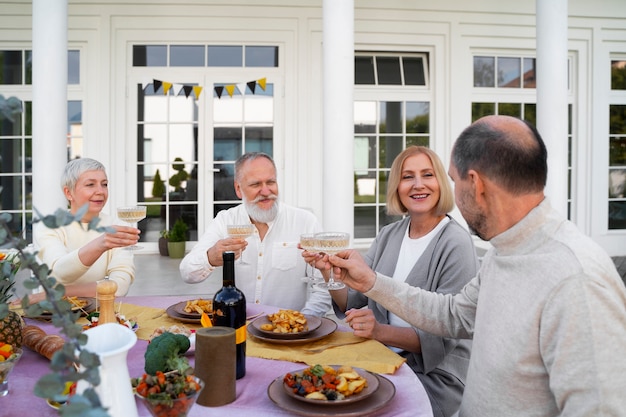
(390, 147)
(418, 141)
(482, 109)
(618, 75)
(225, 56)
(11, 196)
(530, 80)
(364, 153)
(391, 117)
(510, 109)
(182, 109)
(365, 117)
(617, 151)
(388, 70)
(260, 139)
(10, 67)
(29, 67)
(223, 180)
(227, 143)
(617, 215)
(364, 222)
(187, 56)
(413, 71)
(364, 70)
(153, 140)
(484, 71)
(11, 151)
(617, 124)
(617, 183)
(149, 55)
(365, 187)
(261, 56)
(259, 109)
(530, 114)
(10, 116)
(154, 106)
(227, 110)
(386, 219)
(73, 67)
(417, 117)
(509, 72)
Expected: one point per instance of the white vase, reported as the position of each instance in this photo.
(111, 342)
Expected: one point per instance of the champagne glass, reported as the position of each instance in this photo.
(241, 231)
(332, 243)
(132, 215)
(308, 242)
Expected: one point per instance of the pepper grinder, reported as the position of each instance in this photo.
(106, 297)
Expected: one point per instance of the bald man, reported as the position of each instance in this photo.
(547, 310)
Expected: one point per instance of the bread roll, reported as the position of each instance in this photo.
(45, 344)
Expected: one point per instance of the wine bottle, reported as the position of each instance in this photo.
(229, 310)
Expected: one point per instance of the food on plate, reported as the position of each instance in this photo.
(325, 383)
(286, 321)
(36, 339)
(199, 306)
(93, 317)
(176, 329)
(77, 302)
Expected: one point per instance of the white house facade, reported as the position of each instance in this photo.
(167, 95)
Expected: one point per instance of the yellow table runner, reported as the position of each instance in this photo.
(341, 348)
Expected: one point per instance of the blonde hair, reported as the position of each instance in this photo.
(446, 196)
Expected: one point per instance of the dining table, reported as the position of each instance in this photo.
(253, 397)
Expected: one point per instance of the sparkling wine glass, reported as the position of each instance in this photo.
(308, 242)
(332, 243)
(132, 215)
(241, 231)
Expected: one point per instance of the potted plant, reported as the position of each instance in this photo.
(163, 239)
(177, 240)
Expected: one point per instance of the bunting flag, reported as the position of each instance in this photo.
(187, 89)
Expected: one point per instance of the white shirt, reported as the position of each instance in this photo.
(270, 271)
(410, 252)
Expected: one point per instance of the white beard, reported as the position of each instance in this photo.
(258, 214)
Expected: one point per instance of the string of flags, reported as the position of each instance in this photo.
(188, 89)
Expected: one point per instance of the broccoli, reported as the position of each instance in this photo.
(164, 353)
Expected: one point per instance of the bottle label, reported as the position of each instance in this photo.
(240, 334)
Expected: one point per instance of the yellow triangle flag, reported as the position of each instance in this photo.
(166, 87)
(197, 90)
(230, 89)
(262, 82)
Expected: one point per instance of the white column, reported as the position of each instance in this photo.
(49, 103)
(338, 119)
(552, 81)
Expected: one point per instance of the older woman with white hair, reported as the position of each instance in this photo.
(78, 258)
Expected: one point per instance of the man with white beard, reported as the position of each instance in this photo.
(269, 264)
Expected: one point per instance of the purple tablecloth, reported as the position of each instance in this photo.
(410, 398)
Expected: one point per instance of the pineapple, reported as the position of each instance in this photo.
(11, 326)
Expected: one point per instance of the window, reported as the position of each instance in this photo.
(384, 125)
(498, 77)
(201, 56)
(617, 147)
(16, 134)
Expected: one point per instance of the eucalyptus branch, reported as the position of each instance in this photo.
(73, 362)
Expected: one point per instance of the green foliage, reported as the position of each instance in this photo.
(64, 361)
(158, 186)
(179, 231)
(180, 176)
(164, 353)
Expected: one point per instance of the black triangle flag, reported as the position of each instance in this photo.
(156, 84)
(219, 90)
(251, 85)
(187, 89)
